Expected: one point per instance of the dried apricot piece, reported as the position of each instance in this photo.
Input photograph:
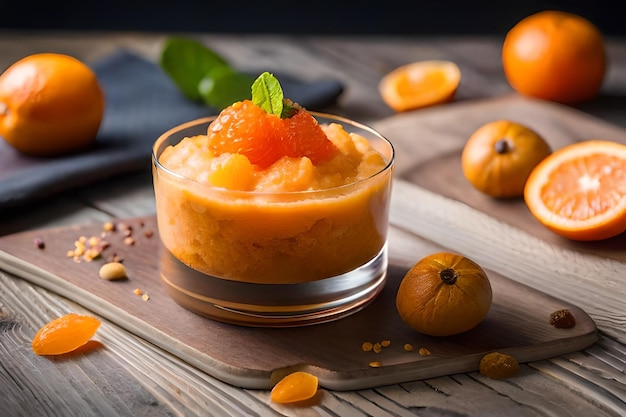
(295, 387)
(64, 334)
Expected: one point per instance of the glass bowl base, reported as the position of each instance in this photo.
(274, 305)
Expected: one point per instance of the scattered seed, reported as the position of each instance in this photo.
(108, 227)
(87, 249)
(408, 347)
(126, 229)
(115, 258)
(375, 364)
(39, 244)
(385, 343)
(145, 297)
(377, 347)
(138, 291)
(91, 254)
(423, 351)
(113, 271)
(367, 346)
(128, 240)
(148, 233)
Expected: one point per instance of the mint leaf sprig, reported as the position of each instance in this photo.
(267, 93)
(203, 75)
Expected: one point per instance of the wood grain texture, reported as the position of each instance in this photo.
(518, 322)
(184, 390)
(586, 383)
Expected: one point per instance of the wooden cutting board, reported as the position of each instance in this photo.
(518, 322)
(429, 144)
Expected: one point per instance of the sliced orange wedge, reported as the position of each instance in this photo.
(420, 84)
(579, 191)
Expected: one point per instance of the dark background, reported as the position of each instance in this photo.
(444, 17)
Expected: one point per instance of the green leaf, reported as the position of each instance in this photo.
(268, 94)
(223, 86)
(186, 62)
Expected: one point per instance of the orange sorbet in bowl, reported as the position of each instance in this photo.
(282, 220)
(290, 222)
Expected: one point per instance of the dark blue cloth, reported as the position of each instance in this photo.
(141, 104)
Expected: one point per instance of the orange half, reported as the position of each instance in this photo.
(579, 191)
(420, 84)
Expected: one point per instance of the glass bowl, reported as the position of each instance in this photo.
(272, 259)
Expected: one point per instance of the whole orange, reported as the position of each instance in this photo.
(444, 294)
(50, 104)
(554, 55)
(500, 155)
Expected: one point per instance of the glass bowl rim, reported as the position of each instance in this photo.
(209, 119)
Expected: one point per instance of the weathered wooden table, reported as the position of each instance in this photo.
(131, 376)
